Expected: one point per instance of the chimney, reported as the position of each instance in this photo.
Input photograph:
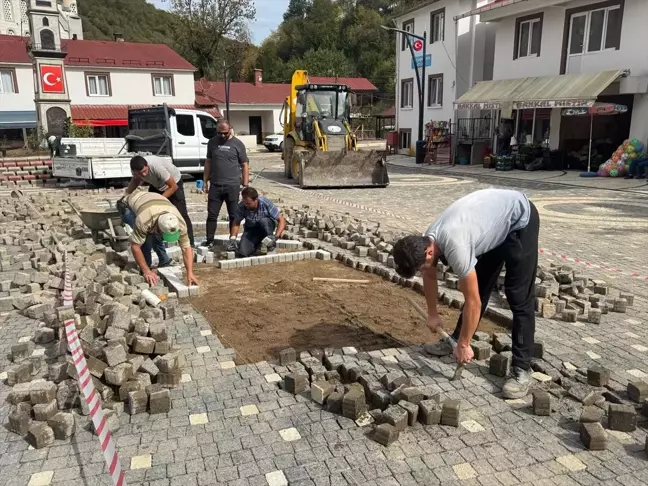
(258, 77)
(118, 37)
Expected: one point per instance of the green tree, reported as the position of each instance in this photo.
(203, 27)
(297, 9)
(322, 62)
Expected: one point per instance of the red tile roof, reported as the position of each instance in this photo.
(13, 49)
(355, 84)
(210, 93)
(120, 112)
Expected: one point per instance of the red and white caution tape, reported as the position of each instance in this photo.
(92, 398)
(588, 264)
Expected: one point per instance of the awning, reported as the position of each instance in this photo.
(117, 115)
(487, 8)
(18, 119)
(564, 91)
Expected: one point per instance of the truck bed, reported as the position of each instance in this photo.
(88, 168)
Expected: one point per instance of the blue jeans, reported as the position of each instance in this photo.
(152, 241)
(253, 235)
(639, 168)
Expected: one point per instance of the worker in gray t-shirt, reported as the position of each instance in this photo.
(226, 170)
(476, 236)
(163, 178)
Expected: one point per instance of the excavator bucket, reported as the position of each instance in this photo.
(343, 169)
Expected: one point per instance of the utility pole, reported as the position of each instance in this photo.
(420, 82)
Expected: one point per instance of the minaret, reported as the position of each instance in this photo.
(52, 98)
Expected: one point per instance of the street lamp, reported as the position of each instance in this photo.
(420, 82)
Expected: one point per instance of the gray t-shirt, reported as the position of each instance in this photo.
(477, 223)
(160, 171)
(226, 161)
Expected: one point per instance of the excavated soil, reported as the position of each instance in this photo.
(262, 309)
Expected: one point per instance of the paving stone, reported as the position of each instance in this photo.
(141, 462)
(396, 416)
(19, 374)
(115, 355)
(598, 376)
(296, 383)
(118, 375)
(637, 391)
(44, 411)
(158, 331)
(137, 402)
(481, 350)
(583, 393)
(541, 403)
(591, 414)
(502, 342)
(19, 421)
(451, 413)
(247, 410)
(320, 390)
(144, 345)
(287, 356)
(42, 392)
(40, 435)
(571, 462)
(149, 367)
(198, 419)
(592, 435)
(334, 402)
(63, 425)
(622, 417)
(276, 478)
(128, 387)
(499, 365)
(43, 478)
(289, 435)
(386, 434)
(412, 411)
(464, 471)
(353, 403)
(394, 379)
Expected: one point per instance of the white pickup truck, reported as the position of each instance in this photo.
(181, 135)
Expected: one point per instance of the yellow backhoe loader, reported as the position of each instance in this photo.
(319, 148)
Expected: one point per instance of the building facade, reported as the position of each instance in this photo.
(551, 56)
(14, 19)
(459, 54)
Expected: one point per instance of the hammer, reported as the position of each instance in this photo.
(444, 337)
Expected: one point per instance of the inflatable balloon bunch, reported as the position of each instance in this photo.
(619, 163)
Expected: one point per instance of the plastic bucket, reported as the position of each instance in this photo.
(199, 185)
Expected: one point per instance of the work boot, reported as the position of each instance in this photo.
(517, 386)
(442, 348)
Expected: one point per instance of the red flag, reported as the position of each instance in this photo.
(52, 79)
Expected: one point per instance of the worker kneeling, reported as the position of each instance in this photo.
(155, 216)
(261, 218)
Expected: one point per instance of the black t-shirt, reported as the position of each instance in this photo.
(226, 161)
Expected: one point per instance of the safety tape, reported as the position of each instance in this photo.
(92, 398)
(617, 271)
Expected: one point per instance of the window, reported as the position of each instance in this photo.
(408, 26)
(435, 90)
(8, 82)
(47, 40)
(604, 29)
(437, 26)
(162, 85)
(407, 93)
(185, 125)
(208, 126)
(98, 84)
(45, 22)
(405, 137)
(528, 36)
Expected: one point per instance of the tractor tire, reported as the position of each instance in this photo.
(289, 148)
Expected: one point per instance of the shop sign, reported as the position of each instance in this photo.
(477, 106)
(528, 105)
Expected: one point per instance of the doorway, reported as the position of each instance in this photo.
(256, 128)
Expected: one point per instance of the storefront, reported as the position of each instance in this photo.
(528, 112)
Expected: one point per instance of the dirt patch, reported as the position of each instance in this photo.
(260, 310)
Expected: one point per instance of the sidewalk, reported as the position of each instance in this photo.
(565, 178)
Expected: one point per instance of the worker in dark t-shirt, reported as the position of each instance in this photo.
(226, 169)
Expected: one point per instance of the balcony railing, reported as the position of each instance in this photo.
(47, 47)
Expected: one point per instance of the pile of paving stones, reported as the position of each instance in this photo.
(343, 382)
(121, 330)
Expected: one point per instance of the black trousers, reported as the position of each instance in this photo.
(218, 195)
(179, 200)
(253, 235)
(520, 254)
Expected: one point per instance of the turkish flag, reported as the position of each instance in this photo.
(52, 79)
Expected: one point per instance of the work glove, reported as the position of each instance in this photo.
(269, 242)
(122, 206)
(232, 245)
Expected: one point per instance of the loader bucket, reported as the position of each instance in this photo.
(343, 169)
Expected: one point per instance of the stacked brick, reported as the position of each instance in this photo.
(346, 387)
(25, 172)
(131, 359)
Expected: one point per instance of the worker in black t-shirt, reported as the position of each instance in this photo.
(226, 169)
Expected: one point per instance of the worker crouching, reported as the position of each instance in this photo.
(261, 217)
(156, 218)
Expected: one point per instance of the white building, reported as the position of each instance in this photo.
(459, 54)
(102, 79)
(555, 54)
(14, 21)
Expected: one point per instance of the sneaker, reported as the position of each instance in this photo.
(166, 263)
(517, 386)
(442, 348)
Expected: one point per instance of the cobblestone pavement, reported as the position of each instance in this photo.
(232, 425)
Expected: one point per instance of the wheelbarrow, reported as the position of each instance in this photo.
(102, 224)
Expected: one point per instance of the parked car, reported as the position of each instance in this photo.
(274, 142)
